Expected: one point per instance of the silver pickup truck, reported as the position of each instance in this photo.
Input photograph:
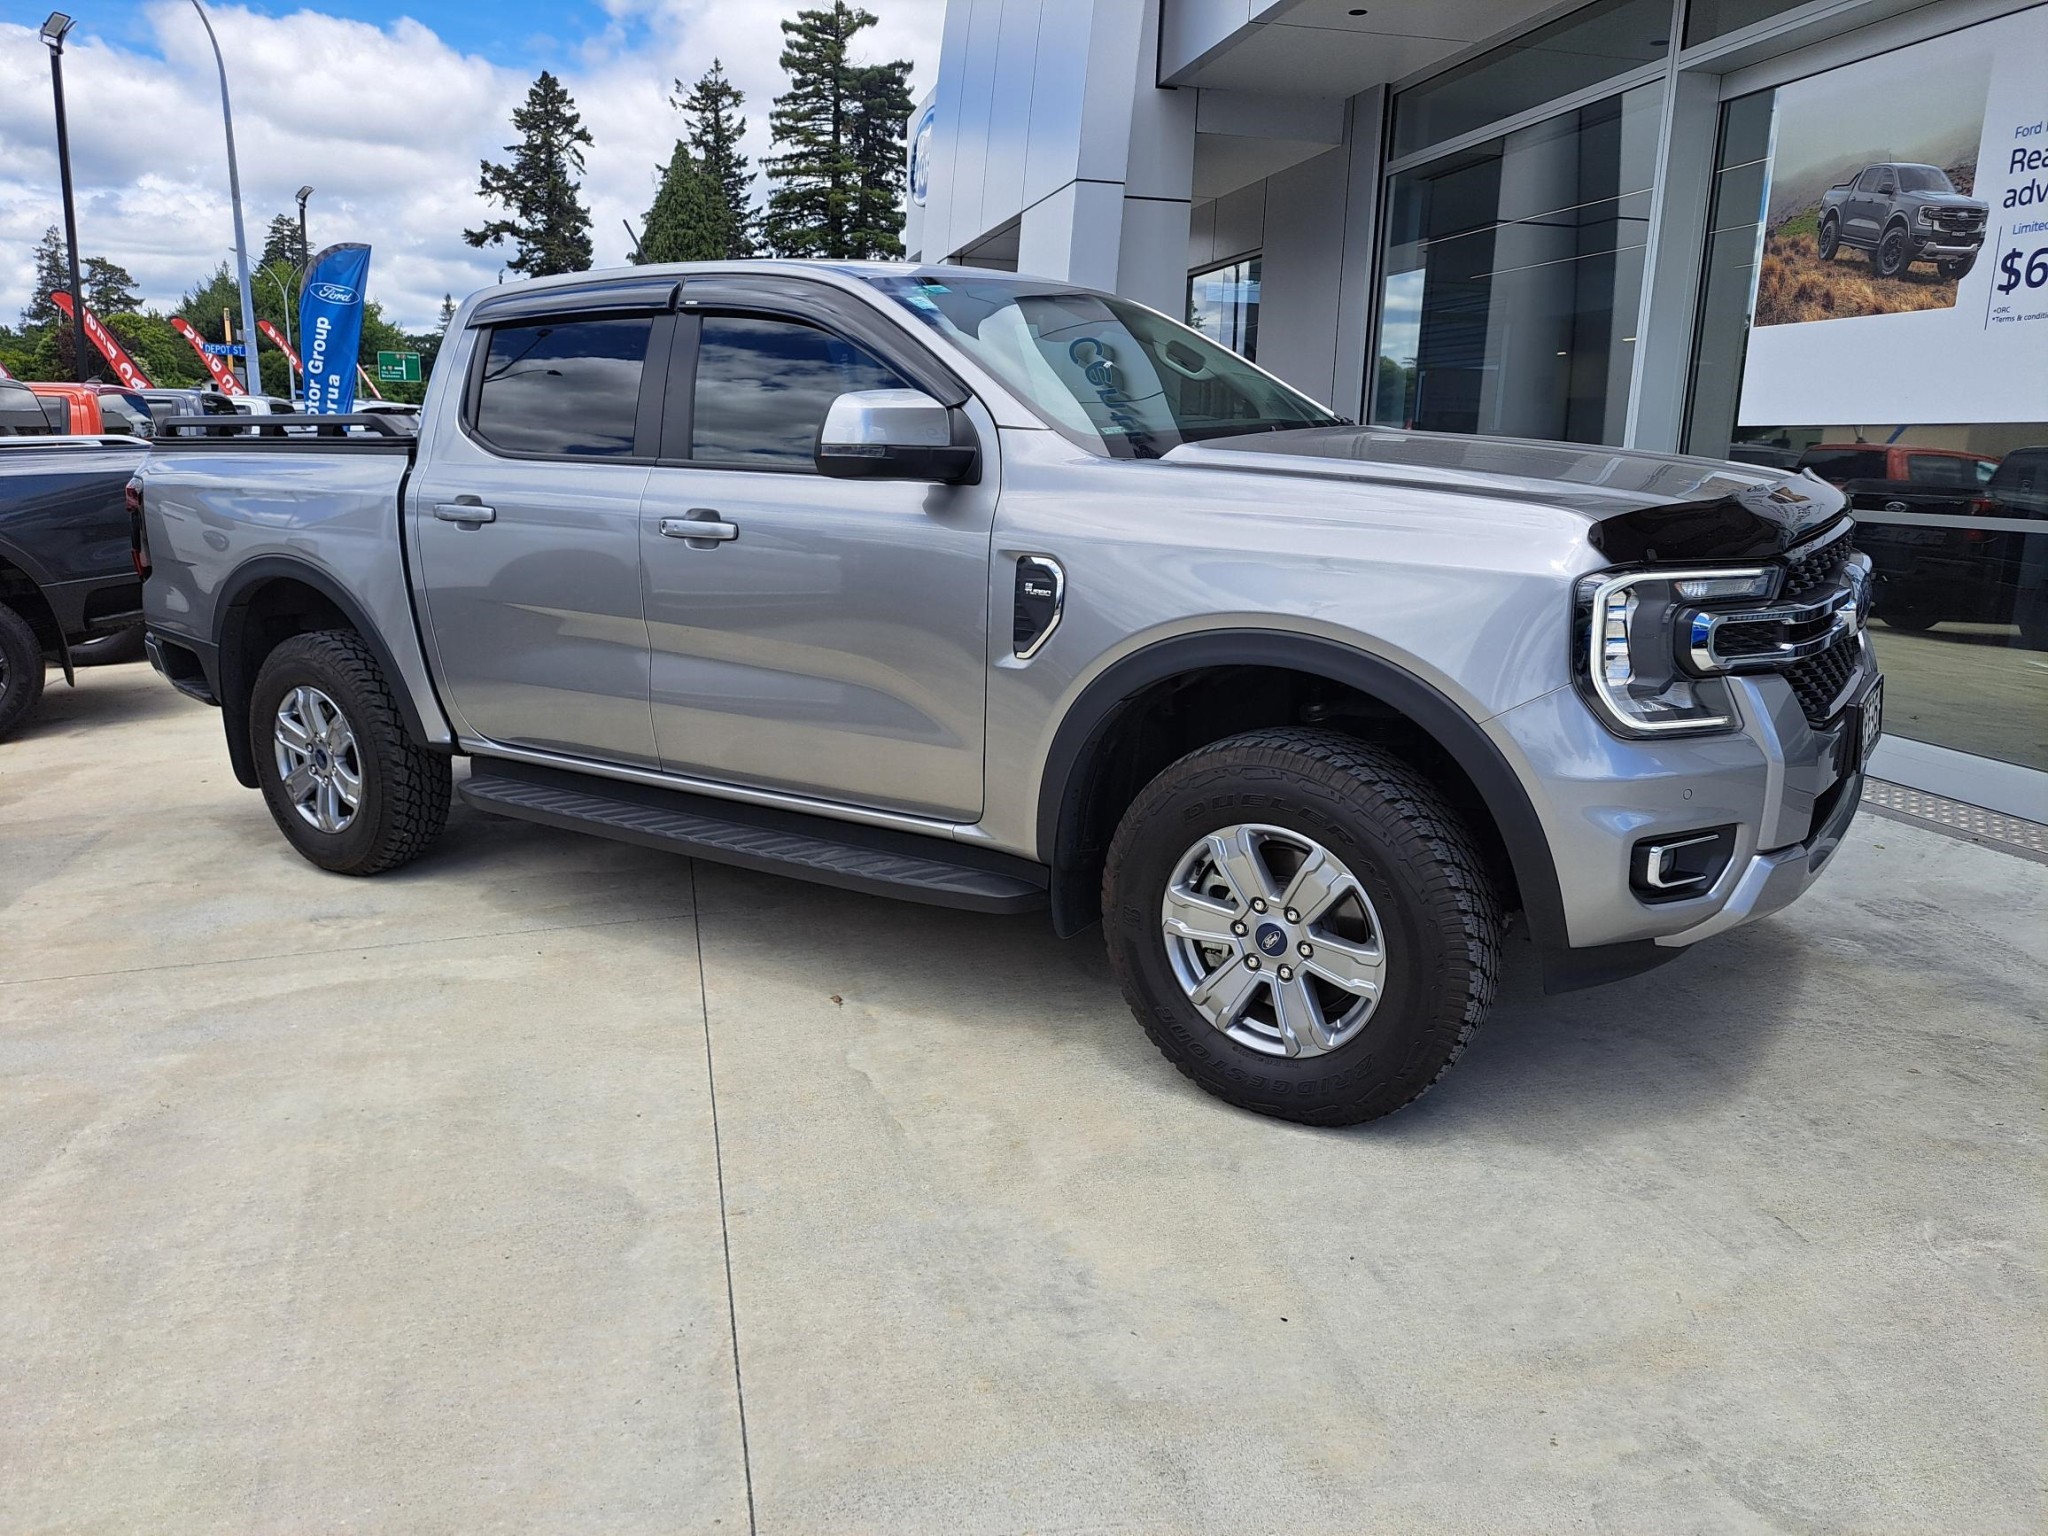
(1001, 594)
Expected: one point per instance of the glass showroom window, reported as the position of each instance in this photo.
(1514, 272)
(1880, 323)
(1223, 304)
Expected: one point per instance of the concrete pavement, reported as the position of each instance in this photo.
(553, 1184)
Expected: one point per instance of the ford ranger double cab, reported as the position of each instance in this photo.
(997, 593)
(1901, 214)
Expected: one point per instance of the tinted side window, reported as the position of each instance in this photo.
(1938, 469)
(563, 388)
(1838, 465)
(125, 416)
(21, 415)
(58, 410)
(1871, 180)
(763, 387)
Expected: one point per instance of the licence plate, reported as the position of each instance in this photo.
(1869, 722)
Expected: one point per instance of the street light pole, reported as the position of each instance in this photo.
(305, 250)
(53, 36)
(284, 299)
(252, 368)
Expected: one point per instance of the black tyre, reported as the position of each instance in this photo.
(1955, 269)
(1894, 253)
(1302, 924)
(1830, 239)
(346, 784)
(21, 669)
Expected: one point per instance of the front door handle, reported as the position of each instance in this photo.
(465, 509)
(700, 528)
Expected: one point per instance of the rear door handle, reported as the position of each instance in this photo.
(701, 527)
(471, 511)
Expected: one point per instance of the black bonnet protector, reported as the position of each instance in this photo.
(1752, 522)
(1642, 508)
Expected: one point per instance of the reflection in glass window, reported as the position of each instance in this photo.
(1514, 272)
(1594, 43)
(563, 388)
(1223, 304)
(763, 387)
(1706, 19)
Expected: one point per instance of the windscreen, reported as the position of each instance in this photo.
(1110, 374)
(1923, 178)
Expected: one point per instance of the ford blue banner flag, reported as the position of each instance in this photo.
(331, 327)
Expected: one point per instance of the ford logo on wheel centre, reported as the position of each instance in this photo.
(1271, 939)
(334, 293)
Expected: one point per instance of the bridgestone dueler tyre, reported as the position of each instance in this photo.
(1437, 915)
(404, 789)
(21, 669)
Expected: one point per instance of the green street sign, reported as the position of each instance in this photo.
(398, 367)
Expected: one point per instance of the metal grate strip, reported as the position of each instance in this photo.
(1972, 823)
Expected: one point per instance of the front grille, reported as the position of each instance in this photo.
(1818, 563)
(1819, 680)
(1960, 223)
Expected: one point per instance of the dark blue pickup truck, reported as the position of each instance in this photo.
(67, 568)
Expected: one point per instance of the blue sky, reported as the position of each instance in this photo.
(386, 110)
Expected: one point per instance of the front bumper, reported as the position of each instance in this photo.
(1788, 788)
(1947, 247)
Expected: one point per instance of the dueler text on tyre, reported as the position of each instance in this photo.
(1302, 924)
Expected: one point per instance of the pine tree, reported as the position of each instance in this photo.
(548, 224)
(716, 128)
(840, 125)
(109, 289)
(687, 220)
(447, 312)
(282, 245)
(53, 275)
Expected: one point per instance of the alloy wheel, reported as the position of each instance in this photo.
(317, 759)
(1274, 940)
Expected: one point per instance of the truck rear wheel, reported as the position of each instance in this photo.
(21, 669)
(1302, 924)
(344, 780)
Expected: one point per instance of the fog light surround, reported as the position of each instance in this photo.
(1674, 866)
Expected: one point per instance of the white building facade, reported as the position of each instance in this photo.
(1664, 224)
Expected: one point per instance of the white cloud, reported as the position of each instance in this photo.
(388, 123)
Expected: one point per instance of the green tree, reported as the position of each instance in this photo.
(109, 290)
(282, 245)
(52, 276)
(546, 221)
(686, 221)
(716, 128)
(159, 351)
(840, 129)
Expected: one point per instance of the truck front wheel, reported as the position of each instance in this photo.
(21, 669)
(1894, 253)
(1302, 924)
(345, 782)
(1830, 237)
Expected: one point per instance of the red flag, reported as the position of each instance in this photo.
(277, 340)
(122, 364)
(4, 374)
(223, 375)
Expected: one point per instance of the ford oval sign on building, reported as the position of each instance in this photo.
(921, 156)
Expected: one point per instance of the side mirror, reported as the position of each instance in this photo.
(897, 434)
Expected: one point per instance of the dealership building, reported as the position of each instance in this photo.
(1808, 233)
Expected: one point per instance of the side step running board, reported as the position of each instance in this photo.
(846, 854)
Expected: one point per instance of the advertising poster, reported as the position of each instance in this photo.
(1904, 270)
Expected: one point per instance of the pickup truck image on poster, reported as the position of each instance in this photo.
(1905, 197)
(1870, 210)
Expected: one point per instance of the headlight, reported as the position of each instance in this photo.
(1627, 649)
(1925, 214)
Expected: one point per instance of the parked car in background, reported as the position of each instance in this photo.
(1951, 568)
(1002, 594)
(1902, 213)
(95, 410)
(67, 568)
(166, 403)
